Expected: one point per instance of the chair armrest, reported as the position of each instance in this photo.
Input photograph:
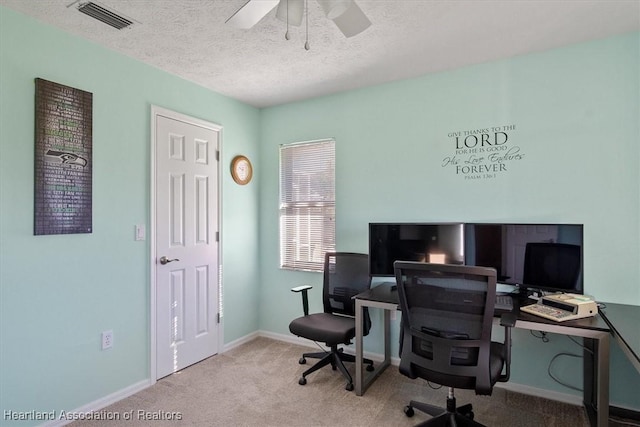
(305, 298)
(508, 320)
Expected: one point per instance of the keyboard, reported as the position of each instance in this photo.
(503, 302)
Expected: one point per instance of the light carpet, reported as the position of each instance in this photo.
(256, 384)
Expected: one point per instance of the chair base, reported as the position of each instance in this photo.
(336, 357)
(449, 417)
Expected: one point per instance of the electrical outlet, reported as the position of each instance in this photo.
(107, 339)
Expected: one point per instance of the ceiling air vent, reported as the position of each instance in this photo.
(100, 13)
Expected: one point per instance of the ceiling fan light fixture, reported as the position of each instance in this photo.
(346, 14)
(353, 21)
(296, 11)
(335, 8)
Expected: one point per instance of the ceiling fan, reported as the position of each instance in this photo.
(346, 14)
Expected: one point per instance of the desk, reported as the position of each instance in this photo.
(594, 330)
(623, 320)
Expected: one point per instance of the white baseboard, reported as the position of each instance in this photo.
(112, 398)
(99, 404)
(240, 341)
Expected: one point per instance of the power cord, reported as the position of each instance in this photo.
(579, 344)
(543, 335)
(556, 379)
(431, 386)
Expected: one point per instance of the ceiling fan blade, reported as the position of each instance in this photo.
(335, 8)
(353, 21)
(250, 13)
(296, 11)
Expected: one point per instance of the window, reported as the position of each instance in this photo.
(307, 204)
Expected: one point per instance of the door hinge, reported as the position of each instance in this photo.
(217, 155)
(218, 317)
(217, 236)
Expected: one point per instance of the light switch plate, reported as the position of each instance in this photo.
(140, 232)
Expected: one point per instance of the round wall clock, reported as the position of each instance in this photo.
(241, 170)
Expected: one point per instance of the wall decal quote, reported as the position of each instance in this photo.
(483, 153)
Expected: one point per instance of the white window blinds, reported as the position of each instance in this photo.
(307, 204)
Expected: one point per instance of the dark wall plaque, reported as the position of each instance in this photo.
(63, 164)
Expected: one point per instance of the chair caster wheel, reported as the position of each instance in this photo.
(408, 411)
(302, 381)
(370, 368)
(469, 415)
(349, 387)
(302, 361)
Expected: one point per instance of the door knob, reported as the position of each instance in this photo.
(164, 260)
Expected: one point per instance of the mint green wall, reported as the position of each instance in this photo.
(575, 111)
(576, 116)
(57, 293)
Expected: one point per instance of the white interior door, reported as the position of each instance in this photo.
(186, 242)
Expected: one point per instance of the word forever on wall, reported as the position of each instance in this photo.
(482, 153)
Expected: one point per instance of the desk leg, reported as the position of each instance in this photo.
(359, 349)
(363, 383)
(603, 380)
(596, 379)
(387, 335)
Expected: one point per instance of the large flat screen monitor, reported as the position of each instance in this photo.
(425, 242)
(546, 257)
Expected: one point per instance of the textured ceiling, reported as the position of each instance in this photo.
(407, 38)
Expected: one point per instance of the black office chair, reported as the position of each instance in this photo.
(345, 275)
(447, 317)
